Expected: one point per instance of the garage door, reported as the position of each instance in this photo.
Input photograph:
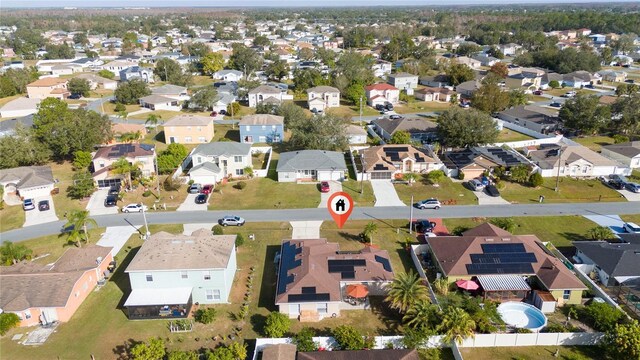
(108, 183)
(472, 174)
(324, 175)
(381, 175)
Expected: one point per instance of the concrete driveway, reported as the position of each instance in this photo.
(116, 237)
(334, 187)
(613, 222)
(96, 204)
(485, 199)
(630, 196)
(306, 229)
(35, 216)
(189, 204)
(385, 194)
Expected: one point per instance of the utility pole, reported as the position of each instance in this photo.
(102, 102)
(146, 227)
(559, 166)
(411, 216)
(361, 175)
(361, 109)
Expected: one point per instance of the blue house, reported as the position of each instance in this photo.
(261, 128)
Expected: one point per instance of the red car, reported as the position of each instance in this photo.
(324, 187)
(537, 92)
(207, 189)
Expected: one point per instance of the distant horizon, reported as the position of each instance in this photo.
(59, 4)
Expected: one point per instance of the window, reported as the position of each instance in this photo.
(149, 277)
(199, 128)
(264, 127)
(247, 128)
(202, 139)
(322, 308)
(237, 159)
(239, 172)
(207, 275)
(101, 164)
(566, 294)
(27, 314)
(248, 139)
(584, 169)
(216, 294)
(184, 274)
(209, 294)
(187, 139)
(273, 127)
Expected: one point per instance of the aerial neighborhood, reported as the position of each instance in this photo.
(394, 182)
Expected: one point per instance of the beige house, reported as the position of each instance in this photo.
(434, 94)
(98, 82)
(524, 81)
(142, 154)
(472, 63)
(159, 102)
(48, 87)
(323, 97)
(268, 95)
(574, 161)
(188, 129)
(387, 162)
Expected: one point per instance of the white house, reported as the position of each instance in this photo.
(172, 91)
(228, 75)
(311, 165)
(357, 135)
(381, 68)
(268, 95)
(403, 80)
(159, 102)
(627, 153)
(217, 160)
(381, 93)
(27, 182)
(172, 272)
(323, 97)
(574, 161)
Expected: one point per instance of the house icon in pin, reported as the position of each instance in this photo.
(340, 206)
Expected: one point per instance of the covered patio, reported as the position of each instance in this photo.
(168, 303)
(503, 288)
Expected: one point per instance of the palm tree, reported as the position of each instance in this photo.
(410, 177)
(124, 114)
(153, 120)
(79, 219)
(456, 325)
(130, 137)
(369, 230)
(601, 233)
(441, 286)
(421, 314)
(12, 253)
(405, 290)
(123, 167)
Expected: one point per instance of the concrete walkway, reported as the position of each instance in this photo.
(334, 187)
(385, 194)
(630, 196)
(306, 229)
(613, 222)
(485, 199)
(116, 237)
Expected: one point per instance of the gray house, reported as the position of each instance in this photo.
(403, 81)
(614, 263)
(137, 72)
(215, 160)
(171, 272)
(421, 130)
(531, 117)
(311, 165)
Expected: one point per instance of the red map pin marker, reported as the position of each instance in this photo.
(340, 206)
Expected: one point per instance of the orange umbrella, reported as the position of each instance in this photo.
(357, 291)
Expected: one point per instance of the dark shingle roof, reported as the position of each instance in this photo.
(616, 259)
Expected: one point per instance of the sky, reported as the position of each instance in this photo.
(268, 3)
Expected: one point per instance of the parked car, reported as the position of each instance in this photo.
(630, 81)
(195, 189)
(201, 198)
(619, 178)
(631, 228)
(475, 185)
(633, 187)
(555, 104)
(111, 200)
(134, 208)
(67, 229)
(231, 221)
(222, 112)
(570, 94)
(114, 190)
(207, 189)
(538, 92)
(28, 204)
(379, 107)
(424, 226)
(214, 114)
(616, 184)
(388, 106)
(492, 190)
(324, 187)
(485, 180)
(75, 96)
(589, 86)
(43, 205)
(428, 204)
(395, 117)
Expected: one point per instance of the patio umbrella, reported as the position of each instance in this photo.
(357, 291)
(467, 285)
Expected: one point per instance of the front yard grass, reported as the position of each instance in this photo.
(11, 217)
(264, 193)
(508, 135)
(165, 115)
(594, 143)
(109, 108)
(570, 190)
(532, 353)
(635, 218)
(446, 191)
(226, 131)
(364, 199)
(350, 111)
(421, 106)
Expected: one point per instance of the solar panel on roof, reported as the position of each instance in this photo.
(503, 248)
(502, 258)
(348, 275)
(479, 269)
(385, 262)
(308, 297)
(287, 262)
(308, 289)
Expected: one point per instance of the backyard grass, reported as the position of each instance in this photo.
(508, 135)
(109, 108)
(98, 93)
(226, 131)
(264, 193)
(162, 114)
(352, 110)
(570, 190)
(422, 106)
(11, 217)
(244, 110)
(594, 143)
(201, 80)
(533, 353)
(536, 98)
(447, 190)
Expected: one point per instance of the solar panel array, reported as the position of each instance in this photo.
(287, 262)
(394, 153)
(308, 297)
(346, 267)
(384, 261)
(502, 259)
(121, 150)
(508, 158)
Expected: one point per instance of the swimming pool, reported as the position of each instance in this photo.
(522, 315)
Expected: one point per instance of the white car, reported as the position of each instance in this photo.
(631, 228)
(134, 208)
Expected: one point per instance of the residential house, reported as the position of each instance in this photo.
(277, 351)
(172, 91)
(614, 263)
(267, 94)
(475, 161)
(436, 81)
(20, 107)
(159, 102)
(27, 182)
(172, 272)
(440, 94)
(48, 87)
(119, 129)
(381, 68)
(577, 79)
(386, 162)
(228, 75)
(627, 153)
(535, 118)
(357, 135)
(321, 98)
(137, 72)
(549, 77)
(575, 161)
(467, 88)
(116, 66)
(98, 82)
(369, 354)
(261, 128)
(613, 76)
(215, 161)
(403, 81)
(311, 165)
(188, 129)
(472, 63)
(381, 94)
(500, 261)
(313, 275)
(43, 294)
(421, 130)
(510, 49)
(486, 60)
(64, 69)
(523, 81)
(142, 154)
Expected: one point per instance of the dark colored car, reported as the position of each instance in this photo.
(379, 107)
(388, 106)
(114, 190)
(75, 96)
(67, 229)
(538, 92)
(633, 187)
(492, 190)
(111, 200)
(201, 199)
(424, 226)
(555, 104)
(616, 184)
(43, 205)
(324, 187)
(207, 189)
(223, 112)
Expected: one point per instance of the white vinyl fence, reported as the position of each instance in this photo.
(267, 150)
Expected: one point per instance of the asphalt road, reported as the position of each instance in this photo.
(274, 215)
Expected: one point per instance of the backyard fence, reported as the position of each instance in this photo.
(267, 151)
(524, 130)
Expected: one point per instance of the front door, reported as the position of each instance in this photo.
(48, 315)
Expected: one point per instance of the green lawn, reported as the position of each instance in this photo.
(536, 98)
(447, 190)
(11, 217)
(350, 111)
(594, 143)
(422, 106)
(570, 190)
(631, 218)
(533, 353)
(109, 108)
(162, 114)
(265, 193)
(226, 131)
(508, 135)
(364, 199)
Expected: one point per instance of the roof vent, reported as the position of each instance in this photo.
(506, 239)
(488, 239)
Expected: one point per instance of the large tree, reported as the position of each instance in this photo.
(277, 70)
(406, 290)
(12, 253)
(623, 341)
(399, 47)
(500, 69)
(122, 166)
(325, 132)
(170, 71)
(490, 98)
(585, 113)
(355, 68)
(14, 81)
(204, 98)
(244, 59)
(466, 128)
(304, 79)
(212, 63)
(79, 86)
(421, 314)
(62, 51)
(626, 111)
(459, 73)
(456, 324)
(131, 91)
(79, 221)
(22, 149)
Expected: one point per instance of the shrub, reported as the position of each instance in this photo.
(536, 180)
(217, 229)
(618, 139)
(8, 321)
(507, 224)
(554, 328)
(240, 185)
(523, 331)
(304, 340)
(435, 176)
(147, 193)
(276, 325)
(120, 107)
(554, 84)
(348, 338)
(239, 240)
(460, 175)
(604, 317)
(458, 230)
(205, 316)
(171, 184)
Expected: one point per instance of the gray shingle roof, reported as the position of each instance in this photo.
(27, 176)
(168, 90)
(311, 160)
(222, 148)
(628, 149)
(619, 259)
(211, 167)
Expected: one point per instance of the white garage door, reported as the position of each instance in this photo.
(325, 175)
(36, 192)
(204, 179)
